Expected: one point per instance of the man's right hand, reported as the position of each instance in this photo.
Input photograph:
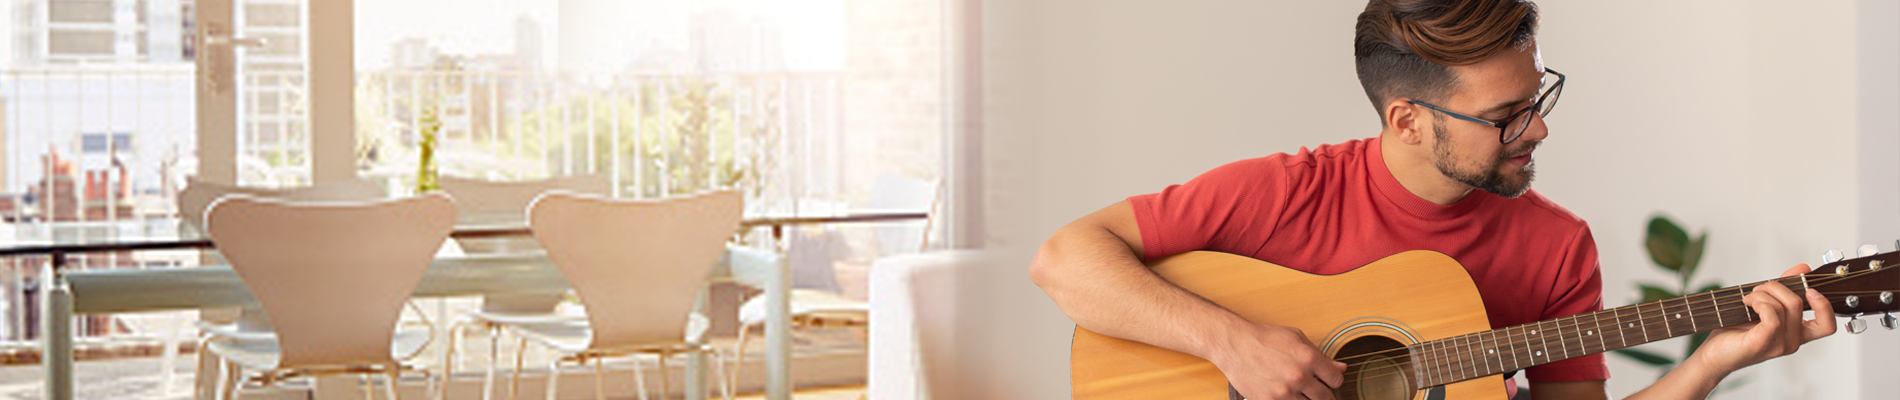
(1268, 362)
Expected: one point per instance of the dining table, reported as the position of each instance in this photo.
(86, 291)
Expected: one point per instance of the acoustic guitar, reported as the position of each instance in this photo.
(1414, 326)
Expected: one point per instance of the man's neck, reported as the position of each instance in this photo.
(1411, 165)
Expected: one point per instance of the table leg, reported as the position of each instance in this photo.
(696, 361)
(778, 333)
(56, 331)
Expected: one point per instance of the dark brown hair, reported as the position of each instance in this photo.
(1406, 48)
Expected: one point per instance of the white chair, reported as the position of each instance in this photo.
(826, 308)
(497, 202)
(199, 194)
(638, 267)
(332, 279)
(197, 197)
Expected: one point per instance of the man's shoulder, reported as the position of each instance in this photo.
(1543, 212)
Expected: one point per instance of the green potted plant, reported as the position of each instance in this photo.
(1673, 250)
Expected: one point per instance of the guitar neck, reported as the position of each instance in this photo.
(1497, 351)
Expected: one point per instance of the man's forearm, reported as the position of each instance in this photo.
(1102, 285)
(1690, 380)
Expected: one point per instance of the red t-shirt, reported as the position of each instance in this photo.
(1337, 207)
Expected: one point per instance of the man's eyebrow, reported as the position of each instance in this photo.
(1500, 108)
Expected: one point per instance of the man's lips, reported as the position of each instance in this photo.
(1521, 160)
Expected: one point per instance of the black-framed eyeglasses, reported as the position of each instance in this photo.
(1517, 123)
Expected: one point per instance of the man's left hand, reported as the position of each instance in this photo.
(1779, 331)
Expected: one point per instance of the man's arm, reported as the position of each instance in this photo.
(1092, 269)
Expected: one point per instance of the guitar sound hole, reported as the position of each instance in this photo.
(1373, 372)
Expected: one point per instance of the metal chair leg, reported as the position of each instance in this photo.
(369, 388)
(739, 353)
(448, 361)
(600, 372)
(395, 376)
(666, 376)
(639, 378)
(521, 354)
(554, 379)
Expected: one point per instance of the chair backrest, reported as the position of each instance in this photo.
(509, 200)
(637, 265)
(198, 195)
(331, 276)
(475, 196)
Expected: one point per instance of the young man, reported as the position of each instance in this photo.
(1461, 92)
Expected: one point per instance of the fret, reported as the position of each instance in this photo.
(1622, 334)
(1642, 321)
(1542, 332)
(1595, 331)
(1464, 360)
(1685, 314)
(1483, 352)
(1716, 302)
(1443, 361)
(1732, 307)
(1438, 360)
(1492, 352)
(1510, 348)
(1558, 332)
(1707, 316)
(1460, 363)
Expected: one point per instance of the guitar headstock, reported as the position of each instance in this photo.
(1864, 286)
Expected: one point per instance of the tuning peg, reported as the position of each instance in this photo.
(1830, 256)
(1855, 325)
(1889, 321)
(1868, 250)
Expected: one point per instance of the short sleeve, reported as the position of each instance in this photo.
(1579, 289)
(1232, 208)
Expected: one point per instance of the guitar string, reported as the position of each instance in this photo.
(1813, 282)
(1690, 305)
(1457, 357)
(1460, 358)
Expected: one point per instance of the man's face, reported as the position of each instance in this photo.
(1492, 90)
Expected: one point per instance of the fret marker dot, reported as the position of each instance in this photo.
(1494, 351)
(1540, 353)
(1632, 325)
(1588, 333)
(1533, 332)
(1678, 316)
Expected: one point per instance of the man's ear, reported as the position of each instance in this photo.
(1406, 123)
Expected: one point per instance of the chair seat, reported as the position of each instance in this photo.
(258, 350)
(523, 318)
(807, 303)
(571, 334)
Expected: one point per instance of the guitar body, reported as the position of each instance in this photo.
(1397, 301)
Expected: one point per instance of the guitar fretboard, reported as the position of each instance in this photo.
(1497, 351)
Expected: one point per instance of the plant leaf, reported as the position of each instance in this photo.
(1692, 255)
(1666, 243)
(1653, 293)
(1645, 357)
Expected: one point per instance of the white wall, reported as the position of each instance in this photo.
(1735, 117)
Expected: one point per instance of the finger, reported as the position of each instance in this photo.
(1315, 390)
(1789, 304)
(1331, 373)
(1798, 269)
(1823, 323)
(1769, 325)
